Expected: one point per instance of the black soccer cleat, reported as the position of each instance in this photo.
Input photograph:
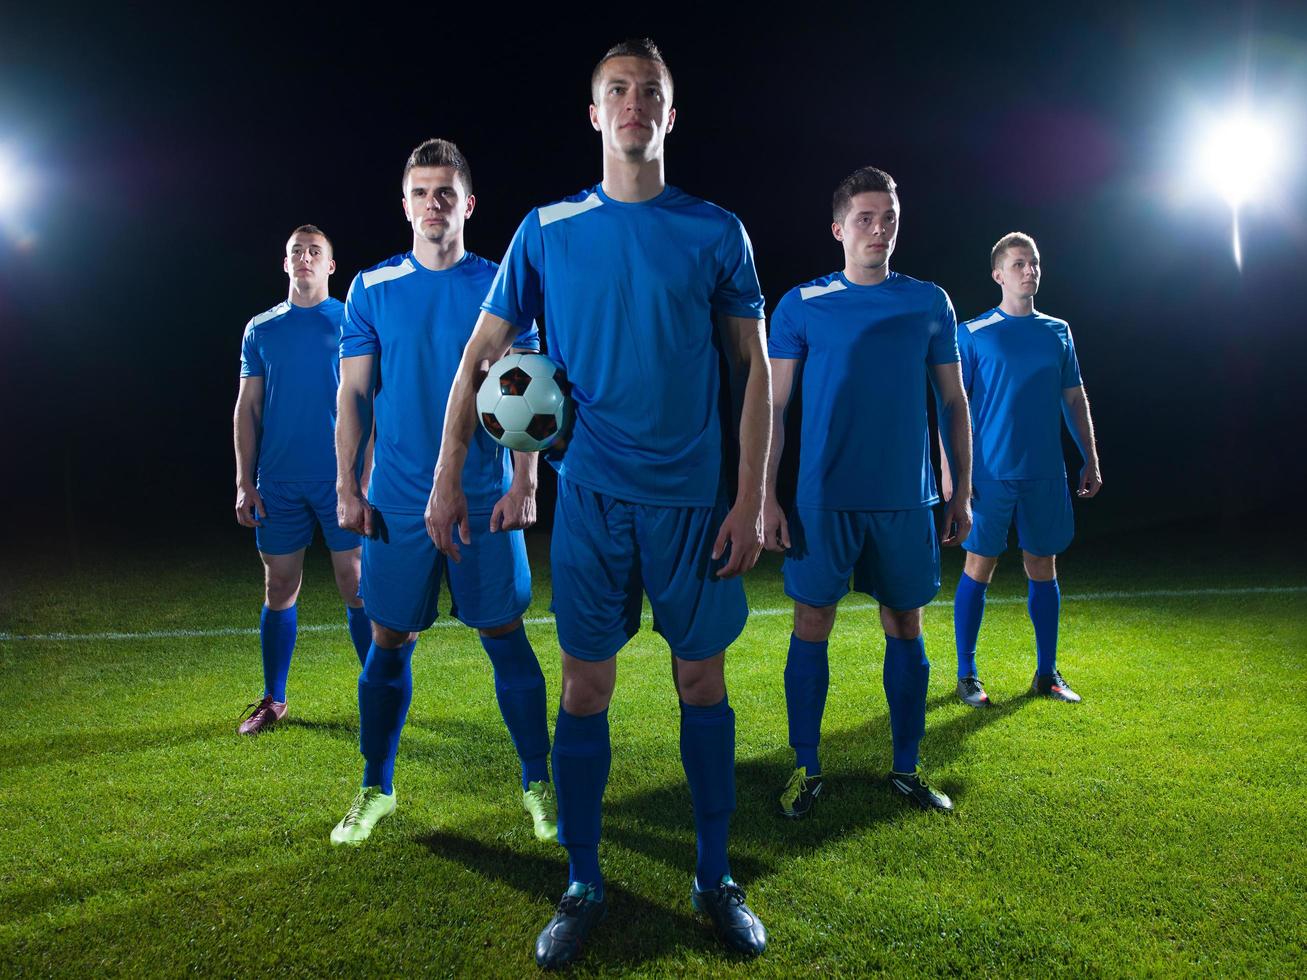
(1053, 686)
(799, 794)
(972, 692)
(732, 920)
(911, 785)
(561, 941)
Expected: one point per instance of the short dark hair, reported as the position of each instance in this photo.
(1013, 239)
(438, 153)
(634, 47)
(861, 181)
(313, 230)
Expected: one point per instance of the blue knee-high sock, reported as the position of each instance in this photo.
(907, 675)
(968, 610)
(360, 631)
(520, 690)
(708, 755)
(1044, 600)
(807, 677)
(277, 628)
(385, 690)
(582, 756)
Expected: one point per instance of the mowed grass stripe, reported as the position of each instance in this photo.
(1113, 596)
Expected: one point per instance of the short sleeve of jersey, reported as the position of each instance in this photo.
(358, 334)
(517, 293)
(1070, 364)
(737, 292)
(528, 338)
(944, 332)
(787, 338)
(967, 354)
(251, 361)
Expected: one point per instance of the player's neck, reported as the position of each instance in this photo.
(867, 277)
(1017, 306)
(299, 298)
(438, 256)
(633, 181)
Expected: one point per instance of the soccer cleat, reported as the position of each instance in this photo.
(263, 715)
(1053, 686)
(368, 807)
(800, 793)
(911, 785)
(972, 692)
(578, 913)
(733, 921)
(538, 800)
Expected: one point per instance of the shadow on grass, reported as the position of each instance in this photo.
(73, 746)
(636, 930)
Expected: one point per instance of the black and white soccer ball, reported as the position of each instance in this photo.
(523, 403)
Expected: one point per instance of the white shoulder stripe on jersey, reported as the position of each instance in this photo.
(974, 325)
(568, 209)
(812, 292)
(387, 273)
(276, 311)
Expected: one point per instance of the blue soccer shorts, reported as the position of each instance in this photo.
(891, 555)
(607, 552)
(402, 574)
(1040, 508)
(293, 510)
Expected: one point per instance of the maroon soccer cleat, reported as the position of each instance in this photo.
(263, 715)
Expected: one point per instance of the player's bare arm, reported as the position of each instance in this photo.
(955, 437)
(775, 529)
(1081, 422)
(945, 474)
(742, 529)
(516, 510)
(447, 505)
(353, 436)
(247, 422)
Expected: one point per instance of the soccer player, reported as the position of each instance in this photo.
(864, 341)
(1020, 370)
(629, 275)
(406, 322)
(286, 461)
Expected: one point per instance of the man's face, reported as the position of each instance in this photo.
(1018, 272)
(436, 203)
(308, 262)
(632, 110)
(869, 229)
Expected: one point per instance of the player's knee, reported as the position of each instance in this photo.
(281, 591)
(701, 682)
(384, 636)
(587, 686)
(902, 624)
(813, 624)
(1040, 568)
(980, 568)
(491, 632)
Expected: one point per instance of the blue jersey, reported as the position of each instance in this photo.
(866, 352)
(1014, 369)
(416, 322)
(293, 349)
(628, 293)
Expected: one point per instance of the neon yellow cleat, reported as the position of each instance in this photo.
(368, 807)
(538, 801)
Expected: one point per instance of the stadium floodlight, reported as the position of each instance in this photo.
(1239, 156)
(11, 181)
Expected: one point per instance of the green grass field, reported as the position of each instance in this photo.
(1157, 828)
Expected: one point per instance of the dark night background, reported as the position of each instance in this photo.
(175, 151)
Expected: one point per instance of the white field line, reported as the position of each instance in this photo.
(846, 607)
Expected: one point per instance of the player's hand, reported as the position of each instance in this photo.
(249, 507)
(742, 531)
(515, 511)
(447, 507)
(775, 529)
(353, 512)
(946, 486)
(1091, 480)
(957, 521)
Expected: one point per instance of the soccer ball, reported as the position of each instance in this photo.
(523, 403)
